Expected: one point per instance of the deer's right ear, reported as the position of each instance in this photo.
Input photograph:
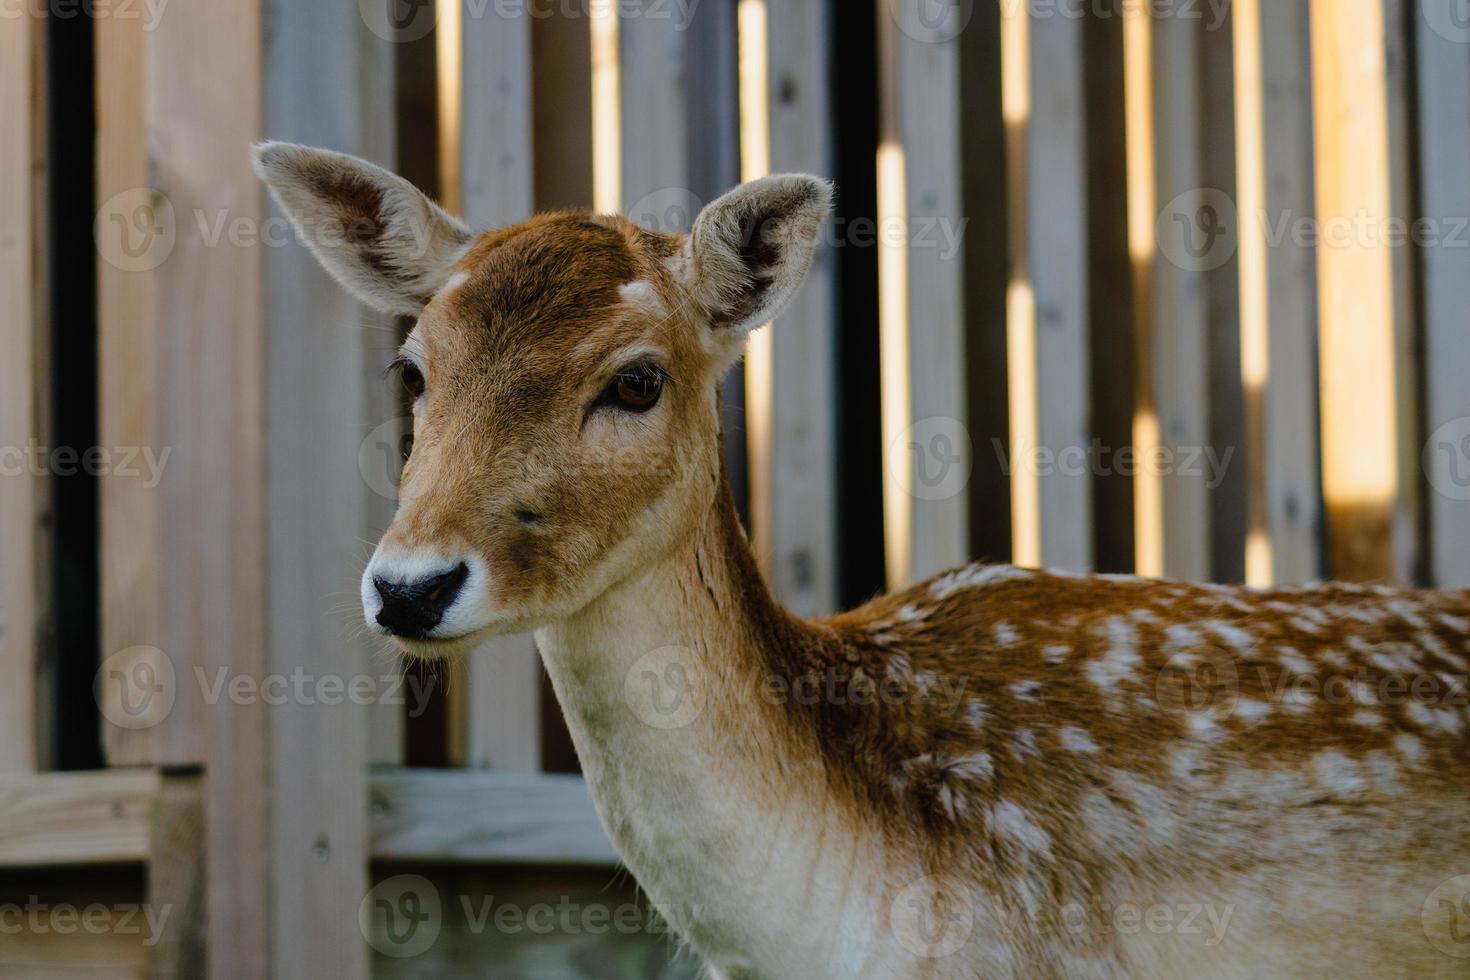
(376, 233)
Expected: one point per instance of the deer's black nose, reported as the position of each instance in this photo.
(412, 609)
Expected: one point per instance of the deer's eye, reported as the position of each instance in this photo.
(410, 375)
(636, 389)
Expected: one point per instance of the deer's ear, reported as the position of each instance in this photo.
(751, 249)
(376, 233)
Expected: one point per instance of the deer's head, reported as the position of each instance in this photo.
(564, 375)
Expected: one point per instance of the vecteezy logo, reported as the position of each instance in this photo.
(399, 21)
(1198, 230)
(932, 21)
(663, 690)
(135, 688)
(401, 916)
(1199, 681)
(135, 230)
(668, 209)
(931, 459)
(381, 455)
(931, 918)
(1445, 917)
(1450, 19)
(1446, 459)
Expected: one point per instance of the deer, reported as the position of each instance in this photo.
(995, 772)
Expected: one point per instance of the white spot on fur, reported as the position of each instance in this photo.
(1023, 744)
(973, 576)
(1441, 719)
(1006, 635)
(1457, 624)
(1026, 690)
(1368, 719)
(1238, 638)
(1250, 711)
(1409, 747)
(1056, 653)
(1337, 773)
(912, 614)
(976, 713)
(977, 766)
(641, 294)
(1121, 657)
(1293, 661)
(1076, 740)
(455, 281)
(1016, 824)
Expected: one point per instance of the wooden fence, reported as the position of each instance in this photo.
(1175, 287)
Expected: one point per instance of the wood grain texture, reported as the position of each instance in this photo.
(1358, 286)
(1278, 292)
(1179, 368)
(1444, 133)
(77, 818)
(801, 477)
(1057, 249)
(176, 876)
(204, 109)
(20, 489)
(922, 295)
(323, 83)
(441, 815)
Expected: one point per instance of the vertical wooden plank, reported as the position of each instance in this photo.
(502, 704)
(651, 60)
(1444, 90)
(176, 877)
(318, 88)
(926, 445)
(204, 84)
(1177, 366)
(1278, 293)
(18, 402)
(133, 235)
(1049, 325)
(789, 376)
(1360, 370)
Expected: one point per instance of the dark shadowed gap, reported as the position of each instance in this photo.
(561, 122)
(1110, 289)
(859, 421)
(426, 734)
(72, 655)
(1230, 501)
(983, 164)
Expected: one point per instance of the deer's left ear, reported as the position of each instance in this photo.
(376, 233)
(751, 249)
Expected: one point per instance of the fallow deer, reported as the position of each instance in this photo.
(996, 772)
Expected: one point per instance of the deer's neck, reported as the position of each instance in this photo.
(714, 798)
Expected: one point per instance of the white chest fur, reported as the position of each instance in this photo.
(763, 880)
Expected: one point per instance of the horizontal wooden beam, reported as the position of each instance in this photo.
(70, 818)
(449, 815)
(458, 815)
